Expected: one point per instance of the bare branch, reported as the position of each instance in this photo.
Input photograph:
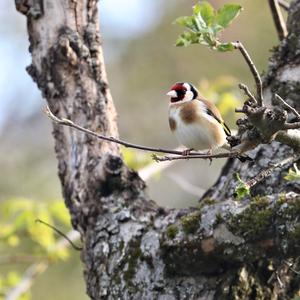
(278, 19)
(290, 138)
(61, 234)
(252, 67)
(295, 125)
(240, 110)
(247, 92)
(284, 4)
(232, 154)
(292, 109)
(268, 171)
(291, 267)
(69, 123)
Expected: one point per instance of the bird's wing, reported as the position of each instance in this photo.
(214, 112)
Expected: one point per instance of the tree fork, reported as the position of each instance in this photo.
(133, 249)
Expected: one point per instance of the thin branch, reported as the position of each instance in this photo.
(290, 138)
(268, 171)
(256, 76)
(247, 92)
(61, 234)
(38, 268)
(281, 285)
(295, 125)
(232, 154)
(284, 4)
(240, 110)
(278, 19)
(290, 266)
(292, 109)
(67, 122)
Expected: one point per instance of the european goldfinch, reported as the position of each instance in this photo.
(196, 122)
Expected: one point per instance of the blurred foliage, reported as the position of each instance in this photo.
(224, 93)
(205, 24)
(18, 226)
(9, 281)
(293, 174)
(135, 159)
(21, 236)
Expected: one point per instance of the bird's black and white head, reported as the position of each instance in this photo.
(182, 91)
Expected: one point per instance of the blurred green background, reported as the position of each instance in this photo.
(142, 64)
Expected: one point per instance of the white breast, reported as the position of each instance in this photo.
(195, 136)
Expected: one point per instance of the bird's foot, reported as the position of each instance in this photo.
(209, 152)
(186, 152)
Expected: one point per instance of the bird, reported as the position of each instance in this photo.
(195, 121)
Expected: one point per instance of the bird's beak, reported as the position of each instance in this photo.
(172, 94)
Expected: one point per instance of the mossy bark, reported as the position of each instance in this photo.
(133, 249)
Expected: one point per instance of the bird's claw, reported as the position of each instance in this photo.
(186, 152)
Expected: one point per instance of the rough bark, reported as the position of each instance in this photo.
(133, 249)
(283, 78)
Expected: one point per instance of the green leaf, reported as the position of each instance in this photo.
(227, 14)
(204, 25)
(293, 174)
(181, 42)
(224, 47)
(210, 40)
(188, 22)
(187, 38)
(206, 11)
(242, 190)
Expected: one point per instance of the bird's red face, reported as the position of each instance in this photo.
(182, 91)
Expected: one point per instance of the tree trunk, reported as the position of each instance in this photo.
(134, 249)
(283, 78)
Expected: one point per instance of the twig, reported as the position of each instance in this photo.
(290, 265)
(38, 268)
(247, 92)
(281, 285)
(268, 171)
(203, 156)
(292, 109)
(278, 19)
(240, 110)
(256, 76)
(284, 4)
(295, 125)
(69, 123)
(60, 233)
